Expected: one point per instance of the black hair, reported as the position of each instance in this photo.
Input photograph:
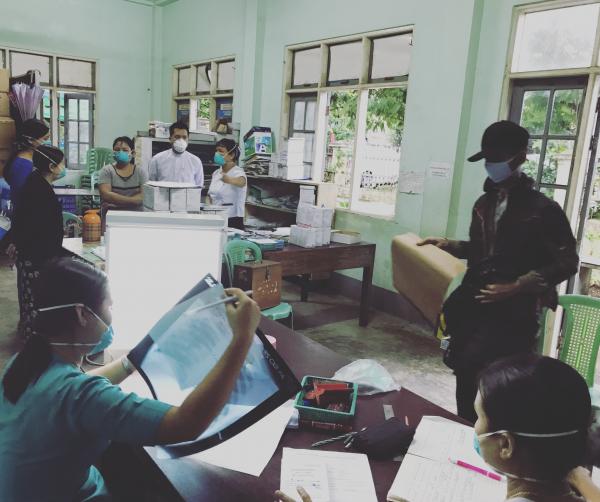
(231, 146)
(45, 156)
(28, 131)
(62, 281)
(125, 139)
(180, 124)
(539, 395)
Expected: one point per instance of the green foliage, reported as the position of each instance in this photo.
(385, 110)
(204, 108)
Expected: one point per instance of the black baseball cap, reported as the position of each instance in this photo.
(504, 137)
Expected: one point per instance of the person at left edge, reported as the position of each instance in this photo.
(228, 185)
(37, 228)
(56, 421)
(176, 163)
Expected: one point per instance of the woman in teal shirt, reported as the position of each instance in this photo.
(55, 420)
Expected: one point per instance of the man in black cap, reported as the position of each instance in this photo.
(520, 247)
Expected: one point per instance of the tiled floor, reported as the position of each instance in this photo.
(407, 351)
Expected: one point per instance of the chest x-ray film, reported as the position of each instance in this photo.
(184, 346)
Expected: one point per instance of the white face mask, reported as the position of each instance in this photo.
(477, 438)
(180, 145)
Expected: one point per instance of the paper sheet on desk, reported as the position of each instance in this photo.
(426, 474)
(251, 450)
(327, 476)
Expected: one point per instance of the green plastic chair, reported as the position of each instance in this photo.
(581, 334)
(97, 158)
(70, 218)
(238, 252)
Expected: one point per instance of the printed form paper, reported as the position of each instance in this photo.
(327, 476)
(426, 474)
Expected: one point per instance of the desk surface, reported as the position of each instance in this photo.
(194, 480)
(76, 246)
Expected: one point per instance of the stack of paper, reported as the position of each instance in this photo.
(327, 476)
(426, 473)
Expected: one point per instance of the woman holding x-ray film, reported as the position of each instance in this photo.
(55, 420)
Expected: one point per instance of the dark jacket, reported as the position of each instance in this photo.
(533, 234)
(37, 228)
(533, 243)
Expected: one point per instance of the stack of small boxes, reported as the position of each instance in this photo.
(288, 163)
(7, 125)
(313, 224)
(172, 196)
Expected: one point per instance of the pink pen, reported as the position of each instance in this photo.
(491, 475)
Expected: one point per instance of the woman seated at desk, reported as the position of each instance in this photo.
(55, 420)
(229, 185)
(120, 184)
(532, 427)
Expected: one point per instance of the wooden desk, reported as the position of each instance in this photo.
(296, 260)
(193, 480)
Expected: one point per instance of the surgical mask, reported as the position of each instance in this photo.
(105, 339)
(477, 447)
(219, 159)
(180, 145)
(122, 157)
(499, 171)
(62, 174)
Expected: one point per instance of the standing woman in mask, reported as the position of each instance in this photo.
(37, 229)
(228, 185)
(533, 415)
(33, 133)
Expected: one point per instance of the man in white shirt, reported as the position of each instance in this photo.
(177, 164)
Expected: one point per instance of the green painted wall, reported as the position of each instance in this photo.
(114, 32)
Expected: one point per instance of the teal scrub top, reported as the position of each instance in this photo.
(59, 426)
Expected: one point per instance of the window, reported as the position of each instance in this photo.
(556, 38)
(353, 120)
(303, 122)
(203, 94)
(68, 102)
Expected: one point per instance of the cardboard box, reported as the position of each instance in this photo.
(4, 82)
(313, 216)
(307, 195)
(263, 278)
(4, 155)
(4, 105)
(345, 236)
(8, 132)
(178, 200)
(156, 198)
(193, 199)
(258, 143)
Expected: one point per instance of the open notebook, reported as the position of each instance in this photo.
(426, 474)
(183, 347)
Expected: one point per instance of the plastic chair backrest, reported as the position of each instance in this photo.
(237, 253)
(581, 334)
(97, 158)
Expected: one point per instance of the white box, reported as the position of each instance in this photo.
(307, 195)
(193, 199)
(156, 198)
(303, 236)
(294, 172)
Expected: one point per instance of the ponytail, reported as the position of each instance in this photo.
(27, 367)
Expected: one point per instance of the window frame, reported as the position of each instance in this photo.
(214, 94)
(54, 88)
(324, 87)
(307, 97)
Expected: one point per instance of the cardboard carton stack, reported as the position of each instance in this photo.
(313, 224)
(7, 125)
(172, 196)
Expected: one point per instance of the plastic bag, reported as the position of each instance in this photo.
(371, 377)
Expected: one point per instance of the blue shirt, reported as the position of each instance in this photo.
(59, 426)
(15, 176)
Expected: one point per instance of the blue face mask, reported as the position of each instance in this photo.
(63, 173)
(498, 171)
(105, 339)
(219, 159)
(121, 157)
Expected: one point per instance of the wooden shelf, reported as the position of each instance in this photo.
(281, 180)
(272, 208)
